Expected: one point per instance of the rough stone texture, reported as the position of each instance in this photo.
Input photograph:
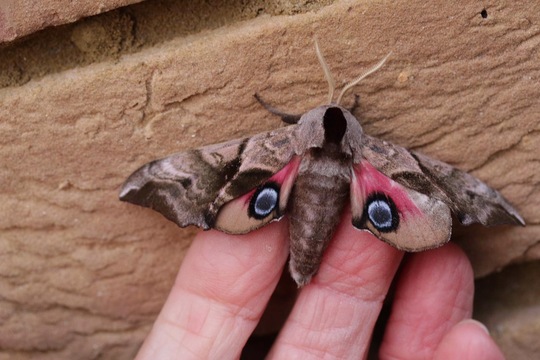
(83, 275)
(508, 303)
(22, 17)
(127, 30)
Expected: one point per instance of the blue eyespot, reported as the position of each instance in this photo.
(382, 212)
(264, 201)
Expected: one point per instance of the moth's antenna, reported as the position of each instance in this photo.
(358, 79)
(327, 73)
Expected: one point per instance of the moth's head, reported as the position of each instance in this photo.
(332, 124)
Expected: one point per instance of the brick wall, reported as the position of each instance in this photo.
(84, 104)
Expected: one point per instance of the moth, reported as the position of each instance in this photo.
(309, 171)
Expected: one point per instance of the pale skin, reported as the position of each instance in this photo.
(225, 282)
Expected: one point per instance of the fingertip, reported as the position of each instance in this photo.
(469, 339)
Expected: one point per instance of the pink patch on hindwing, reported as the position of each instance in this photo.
(284, 179)
(260, 205)
(370, 181)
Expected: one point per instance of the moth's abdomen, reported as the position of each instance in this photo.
(315, 207)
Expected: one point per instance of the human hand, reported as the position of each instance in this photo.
(225, 282)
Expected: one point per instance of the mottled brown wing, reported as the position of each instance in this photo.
(470, 199)
(189, 188)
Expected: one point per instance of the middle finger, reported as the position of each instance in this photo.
(335, 314)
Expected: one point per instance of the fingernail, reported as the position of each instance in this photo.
(477, 323)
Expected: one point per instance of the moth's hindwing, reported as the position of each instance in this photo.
(190, 188)
(400, 216)
(261, 205)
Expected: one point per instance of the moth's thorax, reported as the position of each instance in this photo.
(329, 123)
(320, 193)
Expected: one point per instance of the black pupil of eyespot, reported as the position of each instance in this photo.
(264, 201)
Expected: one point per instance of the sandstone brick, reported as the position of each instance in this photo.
(83, 275)
(22, 17)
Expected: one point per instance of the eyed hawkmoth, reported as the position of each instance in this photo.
(311, 170)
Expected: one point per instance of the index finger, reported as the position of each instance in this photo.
(219, 295)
